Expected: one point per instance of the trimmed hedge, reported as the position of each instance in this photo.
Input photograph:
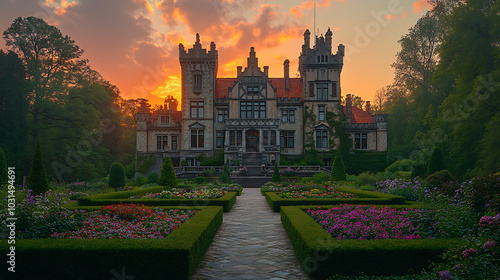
(322, 256)
(365, 197)
(175, 257)
(225, 201)
(359, 161)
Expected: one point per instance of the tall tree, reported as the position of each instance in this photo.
(3, 169)
(51, 62)
(13, 108)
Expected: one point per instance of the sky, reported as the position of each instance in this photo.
(135, 43)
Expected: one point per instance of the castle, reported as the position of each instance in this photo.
(254, 118)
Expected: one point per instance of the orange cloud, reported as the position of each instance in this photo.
(404, 14)
(420, 4)
(171, 87)
(60, 7)
(391, 17)
(297, 10)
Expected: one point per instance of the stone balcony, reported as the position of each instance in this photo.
(247, 123)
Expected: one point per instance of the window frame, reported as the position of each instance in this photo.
(287, 139)
(322, 91)
(322, 139)
(220, 136)
(252, 110)
(161, 142)
(197, 109)
(197, 82)
(320, 118)
(197, 138)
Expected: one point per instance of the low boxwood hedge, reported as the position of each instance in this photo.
(365, 197)
(225, 201)
(175, 257)
(322, 256)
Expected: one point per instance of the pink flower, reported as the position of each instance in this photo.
(466, 253)
(445, 275)
(489, 244)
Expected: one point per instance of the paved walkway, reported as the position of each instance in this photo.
(250, 244)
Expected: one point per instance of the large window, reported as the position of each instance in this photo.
(197, 82)
(220, 139)
(174, 142)
(322, 91)
(164, 119)
(269, 138)
(334, 89)
(235, 137)
(287, 139)
(197, 138)
(222, 115)
(252, 110)
(321, 139)
(360, 141)
(161, 142)
(197, 109)
(321, 112)
(193, 162)
(288, 115)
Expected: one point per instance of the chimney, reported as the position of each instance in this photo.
(328, 39)
(240, 68)
(348, 104)
(368, 108)
(286, 66)
(212, 46)
(266, 71)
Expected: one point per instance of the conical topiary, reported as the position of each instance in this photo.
(436, 162)
(276, 173)
(37, 180)
(153, 178)
(117, 175)
(226, 177)
(167, 174)
(338, 169)
(3, 169)
(418, 170)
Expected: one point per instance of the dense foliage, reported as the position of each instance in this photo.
(117, 175)
(338, 169)
(167, 174)
(37, 181)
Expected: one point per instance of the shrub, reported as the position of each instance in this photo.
(411, 190)
(401, 175)
(129, 170)
(367, 178)
(200, 180)
(117, 175)
(145, 165)
(400, 165)
(167, 174)
(184, 163)
(319, 178)
(3, 169)
(435, 162)
(141, 180)
(418, 170)
(276, 173)
(338, 169)
(226, 178)
(236, 162)
(216, 160)
(37, 180)
(153, 178)
(438, 178)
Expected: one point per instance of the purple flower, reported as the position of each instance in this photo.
(489, 244)
(445, 275)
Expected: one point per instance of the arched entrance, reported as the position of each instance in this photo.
(252, 141)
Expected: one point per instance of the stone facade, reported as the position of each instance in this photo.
(255, 118)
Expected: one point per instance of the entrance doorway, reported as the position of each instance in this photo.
(252, 141)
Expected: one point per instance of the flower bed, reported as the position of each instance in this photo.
(183, 194)
(367, 222)
(122, 221)
(317, 192)
(323, 255)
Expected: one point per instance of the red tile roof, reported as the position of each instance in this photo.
(222, 86)
(358, 115)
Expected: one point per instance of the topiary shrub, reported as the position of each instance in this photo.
(276, 173)
(438, 178)
(338, 169)
(167, 174)
(436, 162)
(200, 180)
(140, 180)
(117, 175)
(226, 178)
(37, 180)
(319, 178)
(418, 170)
(153, 178)
(400, 165)
(3, 169)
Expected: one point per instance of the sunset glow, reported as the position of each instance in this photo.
(134, 43)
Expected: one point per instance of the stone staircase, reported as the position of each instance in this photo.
(252, 162)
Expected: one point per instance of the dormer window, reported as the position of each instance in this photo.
(164, 119)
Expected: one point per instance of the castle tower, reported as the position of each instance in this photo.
(142, 119)
(198, 70)
(320, 73)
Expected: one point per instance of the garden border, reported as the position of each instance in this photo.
(227, 201)
(322, 256)
(365, 197)
(175, 257)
